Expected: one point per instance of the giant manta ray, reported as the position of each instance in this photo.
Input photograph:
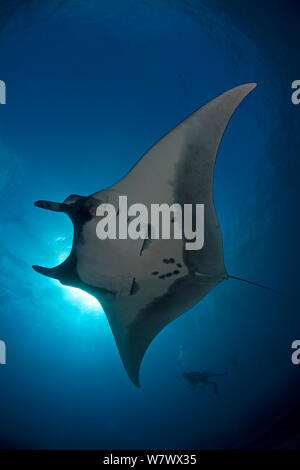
(145, 284)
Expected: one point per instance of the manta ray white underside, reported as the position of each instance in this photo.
(144, 285)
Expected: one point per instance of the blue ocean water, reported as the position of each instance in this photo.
(91, 86)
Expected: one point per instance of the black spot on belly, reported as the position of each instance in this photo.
(169, 274)
(167, 261)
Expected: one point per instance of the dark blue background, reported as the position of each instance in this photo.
(90, 86)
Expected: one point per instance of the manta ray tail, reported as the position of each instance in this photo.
(253, 283)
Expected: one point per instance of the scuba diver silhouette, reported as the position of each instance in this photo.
(202, 377)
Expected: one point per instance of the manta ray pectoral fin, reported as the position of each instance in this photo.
(181, 164)
(202, 136)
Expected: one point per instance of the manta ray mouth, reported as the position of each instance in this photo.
(64, 272)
